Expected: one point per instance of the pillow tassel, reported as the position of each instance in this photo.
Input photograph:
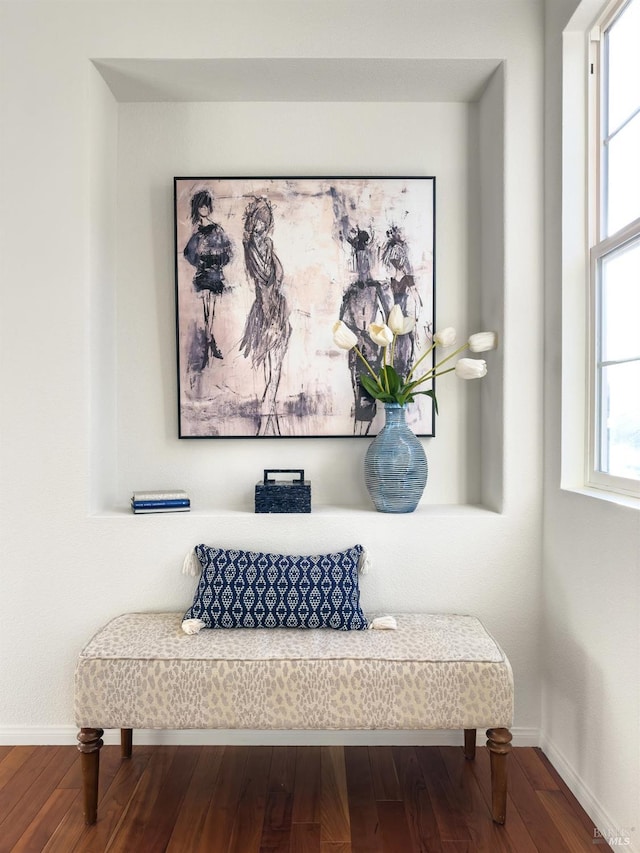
(384, 623)
(191, 565)
(364, 562)
(192, 626)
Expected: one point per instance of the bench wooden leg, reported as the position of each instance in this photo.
(126, 742)
(499, 746)
(90, 744)
(470, 744)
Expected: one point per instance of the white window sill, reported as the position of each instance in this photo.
(629, 501)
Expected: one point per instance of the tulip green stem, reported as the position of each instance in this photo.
(368, 366)
(409, 385)
(445, 359)
(419, 361)
(384, 364)
(430, 374)
(451, 355)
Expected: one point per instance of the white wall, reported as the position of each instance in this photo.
(88, 382)
(153, 144)
(591, 561)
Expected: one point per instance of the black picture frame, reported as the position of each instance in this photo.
(263, 269)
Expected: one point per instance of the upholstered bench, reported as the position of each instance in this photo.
(433, 672)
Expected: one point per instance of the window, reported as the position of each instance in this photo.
(614, 409)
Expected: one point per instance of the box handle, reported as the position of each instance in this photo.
(300, 471)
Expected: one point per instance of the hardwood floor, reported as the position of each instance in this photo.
(295, 799)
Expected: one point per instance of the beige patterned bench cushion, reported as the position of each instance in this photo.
(433, 672)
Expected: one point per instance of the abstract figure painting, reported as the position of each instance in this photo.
(264, 266)
(267, 330)
(208, 250)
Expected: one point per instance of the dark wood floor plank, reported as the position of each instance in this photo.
(568, 793)
(306, 794)
(514, 827)
(394, 826)
(69, 831)
(282, 847)
(29, 765)
(335, 827)
(278, 814)
(166, 807)
(486, 836)
(188, 828)
(535, 770)
(283, 769)
(4, 751)
(421, 819)
(13, 761)
(247, 829)
(43, 778)
(221, 814)
(113, 805)
(131, 834)
(239, 800)
(305, 838)
(540, 827)
(383, 773)
(363, 812)
(66, 836)
(73, 777)
(110, 763)
(576, 837)
(276, 827)
(45, 823)
(451, 823)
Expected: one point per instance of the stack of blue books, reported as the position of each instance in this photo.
(176, 501)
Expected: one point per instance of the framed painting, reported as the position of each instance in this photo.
(264, 268)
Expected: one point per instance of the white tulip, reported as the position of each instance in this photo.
(395, 320)
(445, 337)
(398, 323)
(380, 334)
(471, 368)
(343, 337)
(483, 341)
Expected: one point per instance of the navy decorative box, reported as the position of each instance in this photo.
(283, 495)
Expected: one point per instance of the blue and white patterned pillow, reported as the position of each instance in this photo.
(247, 589)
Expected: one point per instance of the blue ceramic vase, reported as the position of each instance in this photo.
(395, 465)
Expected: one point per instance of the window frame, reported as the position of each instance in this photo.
(600, 247)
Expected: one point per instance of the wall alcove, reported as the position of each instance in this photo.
(152, 119)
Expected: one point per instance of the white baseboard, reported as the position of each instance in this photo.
(66, 735)
(604, 826)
